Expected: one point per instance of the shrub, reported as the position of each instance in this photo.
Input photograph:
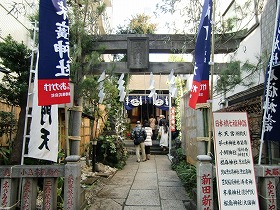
(186, 172)
(111, 151)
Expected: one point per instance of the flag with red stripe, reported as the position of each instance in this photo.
(200, 86)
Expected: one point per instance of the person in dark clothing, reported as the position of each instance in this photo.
(162, 120)
(139, 133)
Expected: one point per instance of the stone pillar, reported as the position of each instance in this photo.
(204, 171)
(8, 193)
(50, 194)
(267, 193)
(29, 192)
(72, 183)
(267, 175)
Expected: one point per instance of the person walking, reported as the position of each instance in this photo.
(139, 135)
(163, 132)
(152, 123)
(148, 142)
(162, 120)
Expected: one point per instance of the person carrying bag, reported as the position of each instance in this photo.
(138, 135)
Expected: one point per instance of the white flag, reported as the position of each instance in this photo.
(43, 142)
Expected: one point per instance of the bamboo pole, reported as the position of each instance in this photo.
(67, 130)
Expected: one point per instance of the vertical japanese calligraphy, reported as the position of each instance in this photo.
(200, 87)
(5, 193)
(270, 185)
(206, 191)
(43, 142)
(70, 192)
(271, 123)
(26, 194)
(234, 162)
(54, 66)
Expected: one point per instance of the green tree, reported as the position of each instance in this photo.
(138, 24)
(84, 31)
(242, 17)
(7, 123)
(14, 86)
(83, 20)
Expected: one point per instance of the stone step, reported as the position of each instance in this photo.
(155, 149)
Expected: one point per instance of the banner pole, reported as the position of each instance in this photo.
(268, 85)
(169, 130)
(212, 82)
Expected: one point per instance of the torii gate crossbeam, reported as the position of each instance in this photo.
(138, 47)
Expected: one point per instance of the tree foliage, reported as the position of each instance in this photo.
(230, 23)
(15, 57)
(84, 22)
(14, 86)
(138, 24)
(237, 73)
(7, 123)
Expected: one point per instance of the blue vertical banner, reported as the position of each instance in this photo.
(271, 117)
(200, 86)
(54, 64)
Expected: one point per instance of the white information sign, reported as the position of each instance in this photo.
(234, 162)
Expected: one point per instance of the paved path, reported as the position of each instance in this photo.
(150, 185)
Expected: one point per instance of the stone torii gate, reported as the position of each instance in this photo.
(138, 46)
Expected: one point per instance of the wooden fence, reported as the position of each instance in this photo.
(85, 129)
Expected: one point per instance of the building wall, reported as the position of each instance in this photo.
(267, 26)
(252, 48)
(14, 19)
(249, 51)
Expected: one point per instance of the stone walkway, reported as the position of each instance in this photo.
(150, 185)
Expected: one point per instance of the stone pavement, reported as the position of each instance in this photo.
(150, 185)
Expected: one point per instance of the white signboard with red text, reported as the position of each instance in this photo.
(234, 162)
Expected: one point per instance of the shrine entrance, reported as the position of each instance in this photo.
(137, 47)
(141, 107)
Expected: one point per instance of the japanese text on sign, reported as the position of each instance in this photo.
(235, 169)
(54, 62)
